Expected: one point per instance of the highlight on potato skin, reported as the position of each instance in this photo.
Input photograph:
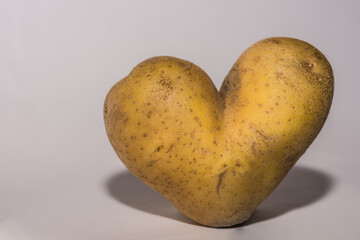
(216, 155)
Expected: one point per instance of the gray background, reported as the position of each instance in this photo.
(60, 178)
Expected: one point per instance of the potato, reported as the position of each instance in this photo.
(217, 155)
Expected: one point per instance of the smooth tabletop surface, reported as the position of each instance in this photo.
(60, 178)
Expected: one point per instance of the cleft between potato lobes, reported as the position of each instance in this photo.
(217, 155)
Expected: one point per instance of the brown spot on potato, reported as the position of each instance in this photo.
(232, 81)
(151, 163)
(166, 83)
(307, 65)
(220, 180)
(149, 114)
(272, 40)
(279, 75)
(170, 148)
(257, 59)
(253, 148)
(318, 55)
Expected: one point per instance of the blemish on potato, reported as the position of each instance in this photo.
(307, 65)
(318, 55)
(279, 75)
(257, 59)
(272, 40)
(253, 148)
(170, 148)
(220, 180)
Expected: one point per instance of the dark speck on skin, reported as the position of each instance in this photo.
(307, 65)
(170, 148)
(272, 40)
(148, 114)
(220, 180)
(151, 163)
(280, 75)
(257, 59)
(318, 55)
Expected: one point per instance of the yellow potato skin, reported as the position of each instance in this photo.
(217, 155)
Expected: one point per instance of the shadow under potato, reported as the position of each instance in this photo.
(301, 187)
(126, 188)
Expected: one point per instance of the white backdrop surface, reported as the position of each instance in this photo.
(60, 178)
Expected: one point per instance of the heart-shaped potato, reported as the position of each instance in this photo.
(217, 155)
